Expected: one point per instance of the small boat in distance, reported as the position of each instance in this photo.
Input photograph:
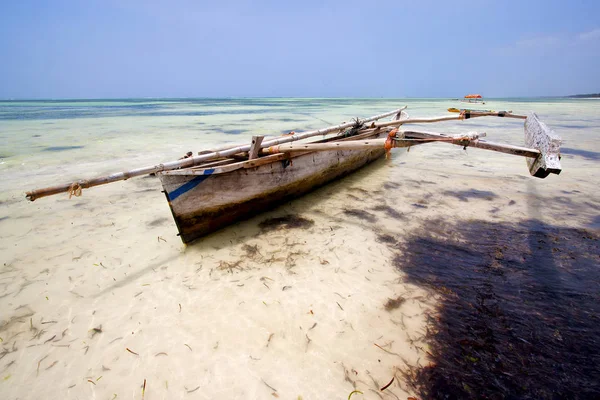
(218, 187)
(473, 98)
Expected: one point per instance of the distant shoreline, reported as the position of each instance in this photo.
(585, 96)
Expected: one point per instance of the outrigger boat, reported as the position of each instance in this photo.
(221, 186)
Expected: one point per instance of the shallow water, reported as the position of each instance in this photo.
(98, 294)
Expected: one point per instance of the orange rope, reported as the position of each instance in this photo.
(75, 190)
(389, 142)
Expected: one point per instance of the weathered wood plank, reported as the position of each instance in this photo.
(255, 147)
(542, 138)
(349, 145)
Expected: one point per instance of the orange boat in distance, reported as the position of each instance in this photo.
(473, 98)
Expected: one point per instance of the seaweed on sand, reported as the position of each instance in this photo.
(465, 195)
(360, 214)
(393, 304)
(386, 238)
(389, 211)
(289, 221)
(252, 252)
(224, 265)
(519, 313)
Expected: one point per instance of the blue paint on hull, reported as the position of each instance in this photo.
(186, 187)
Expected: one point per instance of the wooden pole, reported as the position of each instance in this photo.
(449, 118)
(255, 147)
(466, 140)
(76, 186)
(349, 145)
(408, 139)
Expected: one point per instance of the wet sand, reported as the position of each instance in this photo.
(423, 268)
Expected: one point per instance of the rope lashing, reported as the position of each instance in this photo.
(75, 190)
(389, 142)
(354, 129)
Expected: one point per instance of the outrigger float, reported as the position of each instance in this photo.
(220, 186)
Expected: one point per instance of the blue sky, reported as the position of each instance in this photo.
(369, 48)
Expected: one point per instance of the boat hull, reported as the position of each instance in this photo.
(204, 202)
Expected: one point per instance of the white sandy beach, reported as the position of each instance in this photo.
(98, 295)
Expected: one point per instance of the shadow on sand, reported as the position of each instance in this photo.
(519, 314)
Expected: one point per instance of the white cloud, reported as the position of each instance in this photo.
(591, 35)
(540, 41)
(556, 41)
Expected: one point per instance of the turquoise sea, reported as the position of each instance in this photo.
(450, 270)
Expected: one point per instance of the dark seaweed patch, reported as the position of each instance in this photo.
(573, 126)
(252, 252)
(563, 200)
(357, 189)
(391, 185)
(465, 195)
(63, 148)
(385, 238)
(519, 315)
(360, 214)
(289, 221)
(592, 205)
(390, 212)
(419, 182)
(233, 131)
(594, 223)
(570, 191)
(393, 304)
(590, 155)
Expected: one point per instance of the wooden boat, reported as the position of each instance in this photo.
(221, 186)
(204, 199)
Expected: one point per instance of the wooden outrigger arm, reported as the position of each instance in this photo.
(543, 153)
(543, 145)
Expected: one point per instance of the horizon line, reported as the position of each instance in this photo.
(277, 97)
